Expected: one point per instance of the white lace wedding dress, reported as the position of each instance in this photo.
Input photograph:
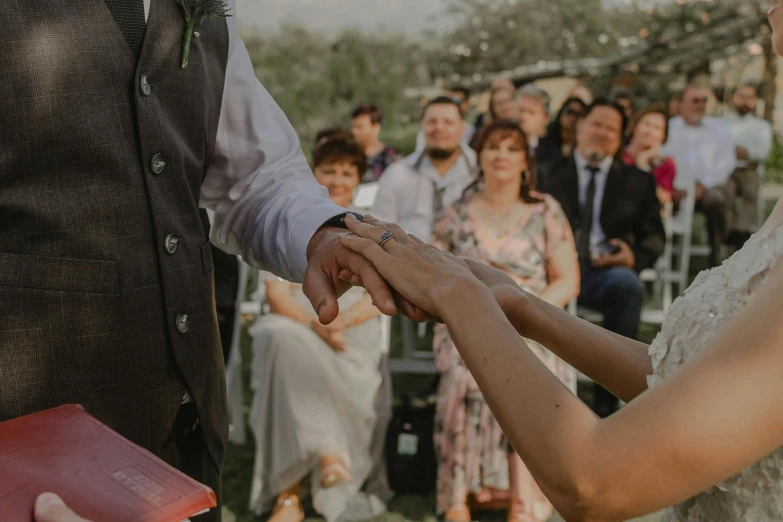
(755, 494)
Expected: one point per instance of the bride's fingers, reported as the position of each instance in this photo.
(399, 234)
(372, 232)
(368, 248)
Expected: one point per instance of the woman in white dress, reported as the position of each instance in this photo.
(703, 430)
(313, 411)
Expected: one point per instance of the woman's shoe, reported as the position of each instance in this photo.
(333, 472)
(457, 514)
(518, 513)
(288, 508)
(542, 511)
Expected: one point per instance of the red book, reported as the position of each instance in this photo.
(97, 472)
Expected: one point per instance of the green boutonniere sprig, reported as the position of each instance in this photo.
(196, 11)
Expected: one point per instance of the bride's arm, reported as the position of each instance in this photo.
(711, 419)
(619, 364)
(714, 417)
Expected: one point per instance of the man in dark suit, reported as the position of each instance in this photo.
(616, 219)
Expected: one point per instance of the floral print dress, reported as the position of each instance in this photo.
(471, 449)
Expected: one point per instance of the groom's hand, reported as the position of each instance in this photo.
(326, 259)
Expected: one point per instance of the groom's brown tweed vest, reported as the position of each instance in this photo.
(101, 159)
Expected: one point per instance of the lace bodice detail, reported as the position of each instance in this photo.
(755, 494)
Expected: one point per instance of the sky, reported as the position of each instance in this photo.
(409, 16)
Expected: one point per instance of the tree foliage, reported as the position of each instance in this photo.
(317, 81)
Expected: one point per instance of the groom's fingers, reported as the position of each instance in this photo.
(320, 289)
(381, 259)
(410, 310)
(322, 283)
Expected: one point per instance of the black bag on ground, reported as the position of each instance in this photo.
(410, 450)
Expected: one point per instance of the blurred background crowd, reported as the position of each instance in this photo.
(581, 147)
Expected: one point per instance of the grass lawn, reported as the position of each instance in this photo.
(238, 464)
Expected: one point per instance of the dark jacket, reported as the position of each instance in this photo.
(106, 280)
(630, 210)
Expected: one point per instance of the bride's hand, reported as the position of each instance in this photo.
(419, 272)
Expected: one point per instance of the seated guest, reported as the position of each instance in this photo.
(498, 84)
(416, 189)
(533, 103)
(648, 133)
(616, 218)
(503, 106)
(753, 142)
(366, 129)
(503, 222)
(624, 100)
(461, 97)
(703, 148)
(561, 134)
(313, 412)
(582, 92)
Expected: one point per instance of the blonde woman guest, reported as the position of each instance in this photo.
(313, 413)
(506, 223)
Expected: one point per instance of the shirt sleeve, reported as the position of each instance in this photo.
(725, 160)
(266, 201)
(665, 174)
(762, 143)
(385, 205)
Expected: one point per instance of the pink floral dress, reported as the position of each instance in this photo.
(471, 449)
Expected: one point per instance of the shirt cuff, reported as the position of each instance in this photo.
(304, 229)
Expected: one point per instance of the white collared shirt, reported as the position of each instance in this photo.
(597, 235)
(408, 188)
(266, 201)
(752, 133)
(703, 153)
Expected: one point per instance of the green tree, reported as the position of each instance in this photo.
(317, 81)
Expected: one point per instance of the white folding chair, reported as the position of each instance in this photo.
(236, 407)
(680, 225)
(413, 360)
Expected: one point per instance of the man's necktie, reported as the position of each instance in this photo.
(129, 15)
(437, 201)
(583, 248)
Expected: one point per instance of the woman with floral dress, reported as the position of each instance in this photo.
(503, 222)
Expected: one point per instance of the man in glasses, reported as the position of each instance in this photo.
(703, 149)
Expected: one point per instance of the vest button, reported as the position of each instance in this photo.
(157, 164)
(171, 243)
(183, 323)
(144, 85)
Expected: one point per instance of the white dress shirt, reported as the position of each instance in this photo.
(751, 133)
(703, 153)
(266, 201)
(407, 190)
(597, 235)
